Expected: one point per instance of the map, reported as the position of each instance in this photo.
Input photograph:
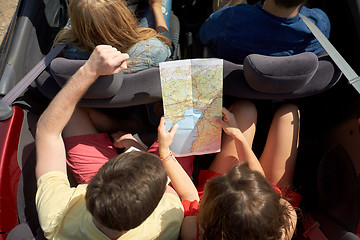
(192, 96)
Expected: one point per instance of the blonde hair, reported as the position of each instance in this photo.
(110, 22)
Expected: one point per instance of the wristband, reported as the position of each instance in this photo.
(167, 158)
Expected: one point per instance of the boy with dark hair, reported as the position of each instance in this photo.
(137, 180)
(273, 28)
(127, 199)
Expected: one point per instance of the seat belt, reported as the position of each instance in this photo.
(15, 92)
(311, 228)
(345, 68)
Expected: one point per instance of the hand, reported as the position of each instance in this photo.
(123, 140)
(227, 122)
(106, 60)
(165, 138)
(155, 3)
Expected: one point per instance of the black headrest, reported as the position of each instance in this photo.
(261, 77)
(280, 74)
(288, 77)
(106, 87)
(120, 90)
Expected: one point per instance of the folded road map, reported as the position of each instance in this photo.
(192, 93)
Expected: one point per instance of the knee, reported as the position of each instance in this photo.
(244, 109)
(290, 112)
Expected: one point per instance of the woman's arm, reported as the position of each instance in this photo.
(160, 24)
(245, 153)
(179, 178)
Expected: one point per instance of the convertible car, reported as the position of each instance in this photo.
(327, 173)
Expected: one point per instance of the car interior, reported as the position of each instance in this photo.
(327, 172)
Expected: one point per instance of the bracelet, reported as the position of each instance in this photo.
(167, 158)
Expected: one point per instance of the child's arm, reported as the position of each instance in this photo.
(243, 149)
(160, 24)
(179, 178)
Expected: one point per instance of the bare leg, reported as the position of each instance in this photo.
(105, 123)
(90, 121)
(279, 156)
(246, 115)
(79, 124)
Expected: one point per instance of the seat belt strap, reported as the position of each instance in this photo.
(32, 75)
(345, 68)
(312, 229)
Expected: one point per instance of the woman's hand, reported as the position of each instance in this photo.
(165, 138)
(227, 122)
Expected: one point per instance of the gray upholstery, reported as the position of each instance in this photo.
(135, 89)
(266, 78)
(106, 87)
(326, 75)
(279, 74)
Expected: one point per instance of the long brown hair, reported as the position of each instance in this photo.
(110, 22)
(242, 205)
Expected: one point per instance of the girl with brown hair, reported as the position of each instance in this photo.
(240, 195)
(110, 22)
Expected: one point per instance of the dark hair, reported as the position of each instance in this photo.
(126, 190)
(242, 205)
(289, 3)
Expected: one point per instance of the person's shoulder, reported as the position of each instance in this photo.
(165, 221)
(319, 17)
(314, 13)
(54, 198)
(171, 198)
(171, 205)
(51, 176)
(237, 9)
(153, 47)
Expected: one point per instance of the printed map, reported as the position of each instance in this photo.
(192, 96)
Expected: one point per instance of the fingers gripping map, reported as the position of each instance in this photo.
(192, 96)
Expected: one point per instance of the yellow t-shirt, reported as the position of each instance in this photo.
(63, 214)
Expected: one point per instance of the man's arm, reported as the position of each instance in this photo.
(50, 148)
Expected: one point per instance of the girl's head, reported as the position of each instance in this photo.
(110, 22)
(242, 205)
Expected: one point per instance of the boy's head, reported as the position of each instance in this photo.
(126, 190)
(241, 205)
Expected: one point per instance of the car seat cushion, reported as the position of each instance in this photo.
(269, 74)
(105, 87)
